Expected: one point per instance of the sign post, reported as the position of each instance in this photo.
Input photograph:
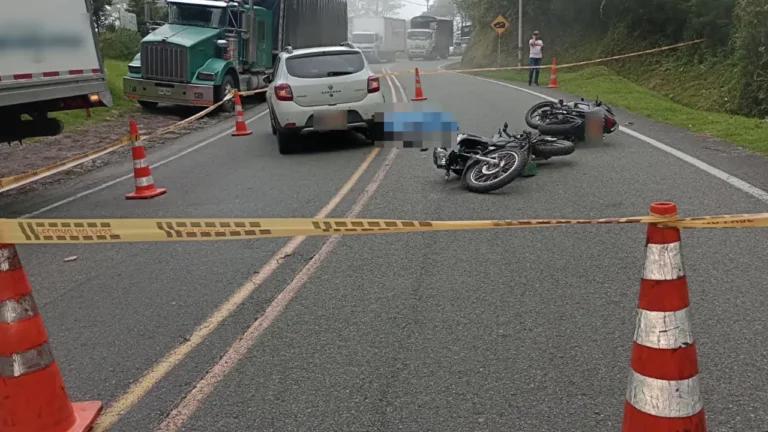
(500, 24)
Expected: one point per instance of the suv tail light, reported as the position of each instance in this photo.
(373, 84)
(283, 92)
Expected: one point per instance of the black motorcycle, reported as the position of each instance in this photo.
(569, 120)
(488, 164)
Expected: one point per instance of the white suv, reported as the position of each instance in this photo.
(321, 89)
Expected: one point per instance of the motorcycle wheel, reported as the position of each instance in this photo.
(531, 118)
(483, 177)
(569, 128)
(546, 150)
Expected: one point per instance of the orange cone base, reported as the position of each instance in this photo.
(242, 133)
(146, 194)
(86, 414)
(638, 421)
(552, 86)
(419, 99)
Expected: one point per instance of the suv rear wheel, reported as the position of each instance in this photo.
(272, 123)
(286, 143)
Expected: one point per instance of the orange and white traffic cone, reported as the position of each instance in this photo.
(419, 93)
(241, 129)
(553, 75)
(32, 392)
(142, 174)
(663, 391)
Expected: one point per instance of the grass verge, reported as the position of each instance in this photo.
(77, 119)
(745, 132)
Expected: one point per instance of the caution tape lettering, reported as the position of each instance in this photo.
(211, 229)
(67, 231)
(44, 231)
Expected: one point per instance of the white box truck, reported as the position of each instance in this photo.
(379, 38)
(429, 37)
(49, 61)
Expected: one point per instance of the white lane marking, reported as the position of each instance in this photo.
(240, 348)
(237, 351)
(125, 177)
(722, 175)
(400, 86)
(391, 86)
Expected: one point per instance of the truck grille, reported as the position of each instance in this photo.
(164, 61)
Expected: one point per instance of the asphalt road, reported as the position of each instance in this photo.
(523, 330)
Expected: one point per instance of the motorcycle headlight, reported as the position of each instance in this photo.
(439, 157)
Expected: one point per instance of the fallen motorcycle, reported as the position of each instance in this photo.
(487, 164)
(569, 120)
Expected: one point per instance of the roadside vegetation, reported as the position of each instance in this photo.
(118, 48)
(719, 87)
(747, 132)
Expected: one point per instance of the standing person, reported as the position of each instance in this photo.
(535, 55)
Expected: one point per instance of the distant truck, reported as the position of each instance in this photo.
(379, 38)
(49, 62)
(465, 34)
(430, 37)
(210, 47)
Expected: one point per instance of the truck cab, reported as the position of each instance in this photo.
(207, 49)
(430, 37)
(369, 43)
(421, 43)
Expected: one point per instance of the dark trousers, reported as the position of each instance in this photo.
(534, 63)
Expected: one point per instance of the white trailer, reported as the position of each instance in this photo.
(49, 62)
(379, 38)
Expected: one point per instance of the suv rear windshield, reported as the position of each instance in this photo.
(323, 65)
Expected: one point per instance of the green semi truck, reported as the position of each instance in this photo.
(211, 47)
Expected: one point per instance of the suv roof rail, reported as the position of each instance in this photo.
(288, 49)
(347, 44)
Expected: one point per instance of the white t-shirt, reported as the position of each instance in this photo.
(535, 46)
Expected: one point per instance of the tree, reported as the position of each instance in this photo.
(139, 8)
(443, 8)
(375, 8)
(101, 14)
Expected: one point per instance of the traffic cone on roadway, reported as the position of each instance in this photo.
(553, 74)
(419, 93)
(32, 392)
(663, 390)
(142, 175)
(241, 129)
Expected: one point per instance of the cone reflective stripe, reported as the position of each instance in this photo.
(663, 390)
(32, 392)
(553, 74)
(142, 174)
(419, 93)
(241, 128)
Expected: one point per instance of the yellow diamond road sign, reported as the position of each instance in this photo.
(500, 24)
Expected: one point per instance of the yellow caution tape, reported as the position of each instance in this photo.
(12, 182)
(182, 123)
(755, 220)
(50, 231)
(566, 65)
(252, 92)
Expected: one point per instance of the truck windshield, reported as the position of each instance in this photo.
(323, 65)
(419, 35)
(363, 38)
(199, 16)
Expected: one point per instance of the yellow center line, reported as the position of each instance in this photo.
(141, 387)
